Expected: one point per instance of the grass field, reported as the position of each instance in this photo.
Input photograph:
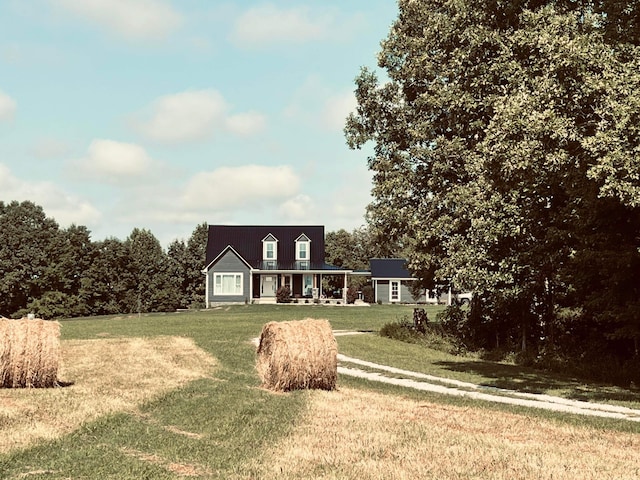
(177, 396)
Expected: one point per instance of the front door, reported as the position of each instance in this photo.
(268, 285)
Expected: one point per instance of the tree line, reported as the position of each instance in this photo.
(56, 272)
(506, 140)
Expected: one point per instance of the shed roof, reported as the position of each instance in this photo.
(389, 268)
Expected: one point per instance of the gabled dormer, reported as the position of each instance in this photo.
(303, 248)
(270, 248)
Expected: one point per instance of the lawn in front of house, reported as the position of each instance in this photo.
(171, 415)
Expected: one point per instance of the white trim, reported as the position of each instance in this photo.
(236, 293)
(390, 279)
(206, 288)
(391, 282)
(266, 243)
(307, 244)
(221, 254)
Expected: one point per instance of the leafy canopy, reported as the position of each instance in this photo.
(505, 152)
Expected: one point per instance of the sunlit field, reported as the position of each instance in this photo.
(177, 395)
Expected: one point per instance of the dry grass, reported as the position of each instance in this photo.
(297, 355)
(29, 353)
(178, 469)
(352, 434)
(108, 375)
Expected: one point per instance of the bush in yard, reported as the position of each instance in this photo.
(433, 337)
(283, 295)
(367, 294)
(352, 294)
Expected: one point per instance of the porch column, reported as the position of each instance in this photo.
(344, 289)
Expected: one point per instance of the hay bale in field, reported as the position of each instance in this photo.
(297, 355)
(29, 353)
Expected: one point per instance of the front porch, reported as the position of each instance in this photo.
(300, 301)
(304, 287)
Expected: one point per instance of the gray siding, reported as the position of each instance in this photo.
(229, 262)
(382, 292)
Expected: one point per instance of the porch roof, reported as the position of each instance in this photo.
(297, 267)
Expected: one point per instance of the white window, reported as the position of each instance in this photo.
(270, 248)
(303, 245)
(228, 284)
(394, 291)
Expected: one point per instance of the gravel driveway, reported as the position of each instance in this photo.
(446, 386)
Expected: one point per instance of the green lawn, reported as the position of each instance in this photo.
(229, 418)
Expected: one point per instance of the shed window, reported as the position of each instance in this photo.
(394, 291)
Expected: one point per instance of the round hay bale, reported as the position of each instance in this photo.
(298, 355)
(29, 353)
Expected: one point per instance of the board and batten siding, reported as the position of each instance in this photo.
(229, 263)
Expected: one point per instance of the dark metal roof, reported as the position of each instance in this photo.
(389, 268)
(247, 241)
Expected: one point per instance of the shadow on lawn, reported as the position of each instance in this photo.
(526, 379)
(510, 377)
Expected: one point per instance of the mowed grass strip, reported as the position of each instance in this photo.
(228, 427)
(105, 376)
(473, 369)
(356, 434)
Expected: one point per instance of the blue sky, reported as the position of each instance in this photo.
(161, 114)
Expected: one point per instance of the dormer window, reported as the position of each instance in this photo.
(303, 248)
(270, 248)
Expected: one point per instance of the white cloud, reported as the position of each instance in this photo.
(268, 24)
(194, 115)
(336, 109)
(7, 107)
(65, 208)
(113, 161)
(297, 208)
(50, 148)
(237, 187)
(246, 124)
(185, 116)
(317, 104)
(132, 19)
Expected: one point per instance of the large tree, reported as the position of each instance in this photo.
(27, 243)
(506, 139)
(156, 290)
(186, 261)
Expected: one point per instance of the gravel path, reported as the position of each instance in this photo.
(457, 388)
(447, 386)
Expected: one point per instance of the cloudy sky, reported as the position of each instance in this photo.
(162, 114)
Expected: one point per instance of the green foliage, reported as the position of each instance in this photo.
(368, 295)
(432, 337)
(506, 160)
(352, 294)
(283, 294)
(27, 241)
(185, 261)
(416, 289)
(55, 272)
